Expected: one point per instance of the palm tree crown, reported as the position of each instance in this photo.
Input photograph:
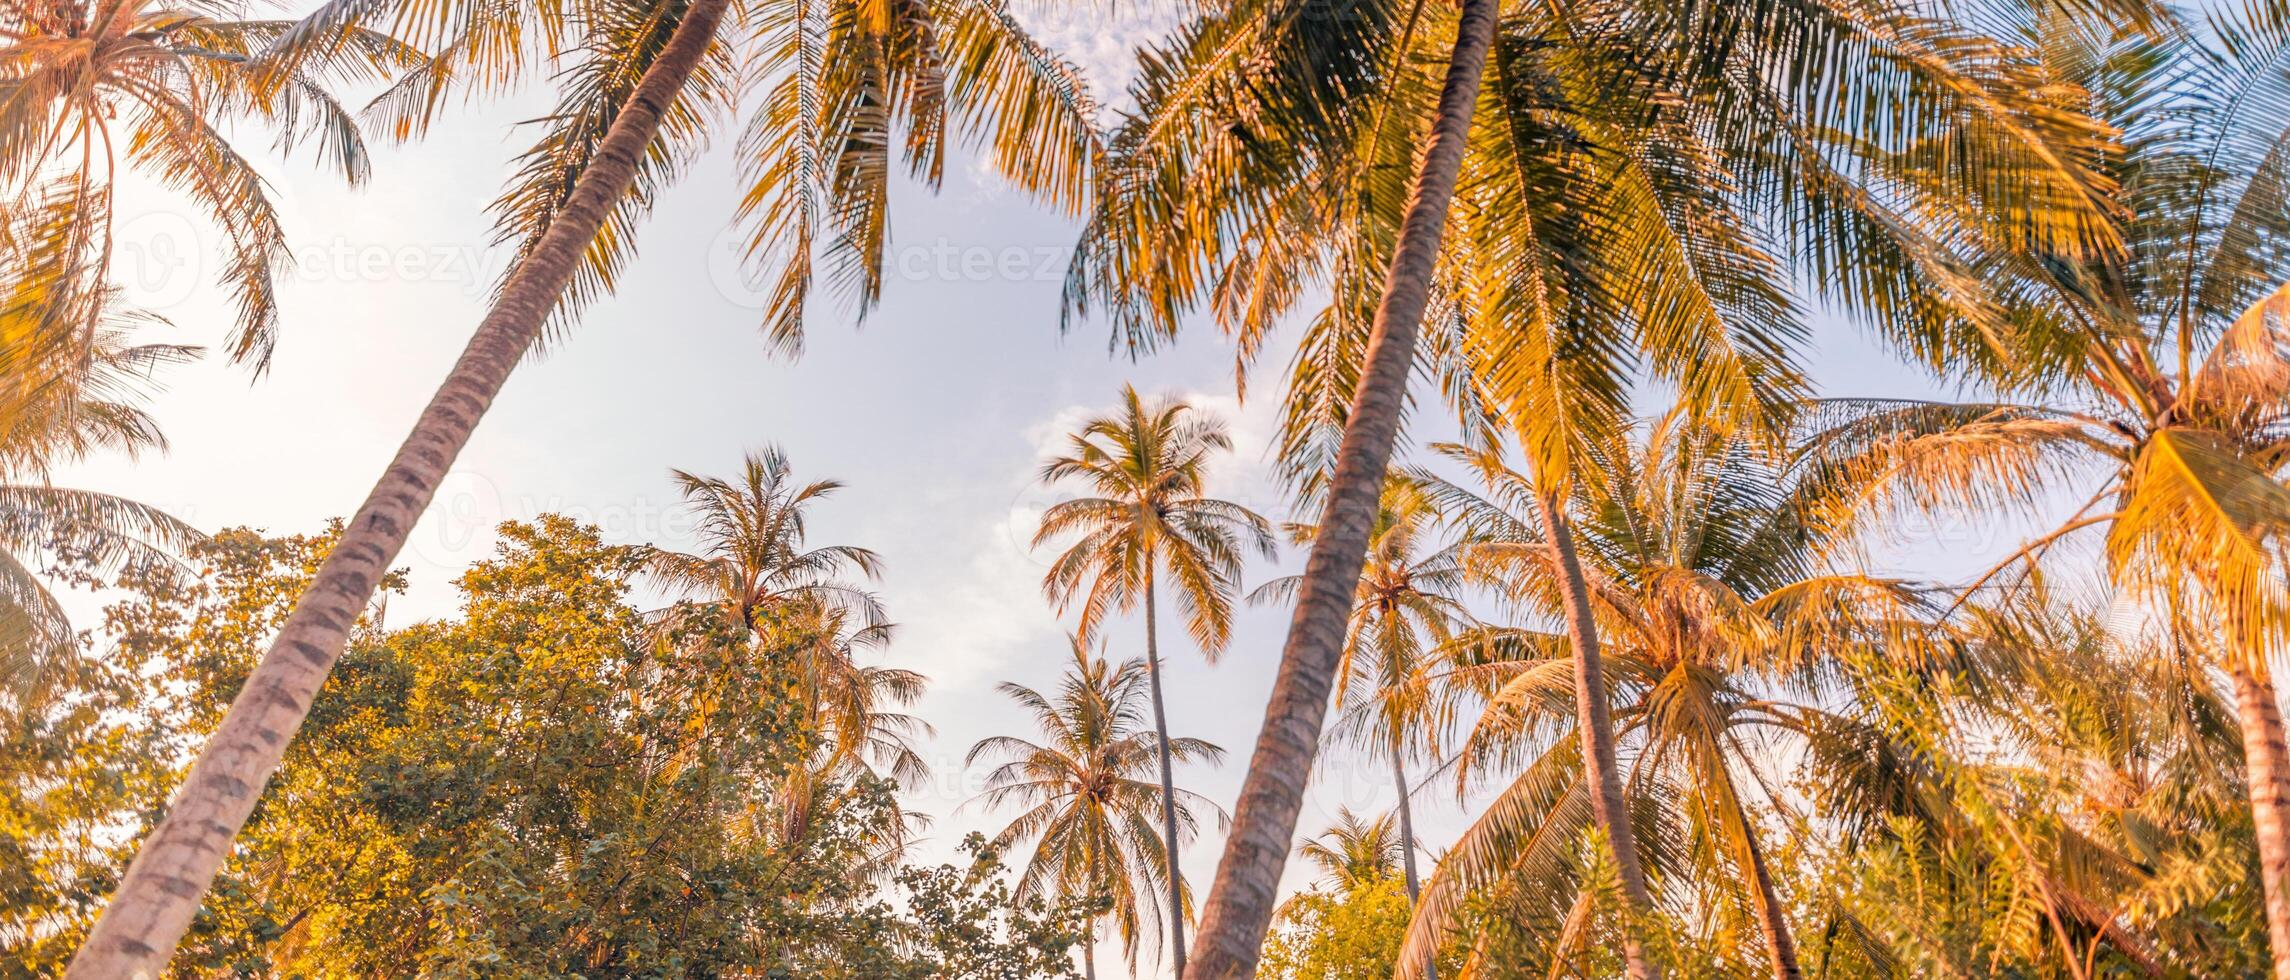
(752, 553)
(1086, 796)
(99, 88)
(1354, 852)
(1148, 466)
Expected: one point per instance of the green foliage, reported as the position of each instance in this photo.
(1353, 935)
(551, 783)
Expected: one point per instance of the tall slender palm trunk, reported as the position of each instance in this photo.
(1772, 920)
(1407, 846)
(1168, 782)
(1241, 902)
(2264, 758)
(155, 903)
(1596, 724)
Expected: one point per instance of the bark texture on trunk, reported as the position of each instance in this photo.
(1168, 782)
(1596, 723)
(1407, 847)
(2263, 757)
(1241, 902)
(1780, 943)
(155, 903)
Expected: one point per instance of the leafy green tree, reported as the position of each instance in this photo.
(971, 924)
(1354, 934)
(1151, 515)
(1352, 922)
(1082, 798)
(854, 85)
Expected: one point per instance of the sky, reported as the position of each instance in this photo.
(936, 412)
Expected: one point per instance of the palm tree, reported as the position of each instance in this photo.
(1084, 797)
(819, 154)
(1354, 853)
(2064, 766)
(95, 90)
(1405, 613)
(53, 424)
(752, 557)
(755, 565)
(1148, 465)
(1635, 159)
(2148, 380)
(1721, 626)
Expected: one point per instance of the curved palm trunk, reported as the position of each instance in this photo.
(1241, 901)
(1407, 846)
(156, 901)
(2264, 757)
(1168, 783)
(1597, 727)
(1772, 920)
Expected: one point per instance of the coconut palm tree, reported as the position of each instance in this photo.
(1085, 797)
(1406, 614)
(2066, 763)
(51, 424)
(754, 565)
(850, 711)
(752, 557)
(853, 86)
(1722, 627)
(95, 90)
(2147, 381)
(1148, 466)
(1631, 158)
(1353, 852)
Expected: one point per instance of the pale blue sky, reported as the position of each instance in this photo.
(936, 413)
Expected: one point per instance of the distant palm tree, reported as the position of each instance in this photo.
(1085, 799)
(755, 564)
(752, 555)
(1405, 614)
(1148, 465)
(1721, 627)
(851, 712)
(1353, 852)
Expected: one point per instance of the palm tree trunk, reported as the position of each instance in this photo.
(1407, 846)
(2264, 758)
(1597, 727)
(1241, 901)
(1168, 783)
(156, 901)
(1780, 944)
